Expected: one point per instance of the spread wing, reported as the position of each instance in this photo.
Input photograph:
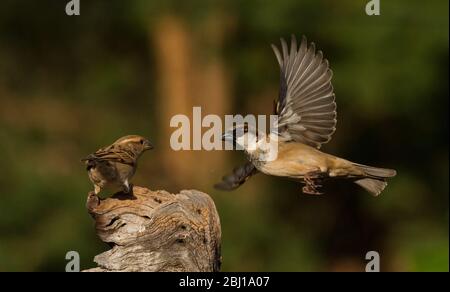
(239, 176)
(306, 108)
(113, 153)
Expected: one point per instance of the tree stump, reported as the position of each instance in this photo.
(157, 231)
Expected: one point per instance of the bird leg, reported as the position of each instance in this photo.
(312, 183)
(127, 187)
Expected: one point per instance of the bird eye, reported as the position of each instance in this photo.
(142, 142)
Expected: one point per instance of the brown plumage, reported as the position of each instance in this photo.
(306, 112)
(113, 166)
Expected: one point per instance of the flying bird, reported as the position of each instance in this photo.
(306, 112)
(113, 166)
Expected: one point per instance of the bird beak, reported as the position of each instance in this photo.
(228, 137)
(148, 145)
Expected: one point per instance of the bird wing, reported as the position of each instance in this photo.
(113, 153)
(239, 176)
(306, 105)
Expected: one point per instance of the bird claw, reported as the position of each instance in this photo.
(92, 202)
(311, 191)
(127, 189)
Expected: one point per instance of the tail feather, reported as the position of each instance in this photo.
(376, 172)
(375, 182)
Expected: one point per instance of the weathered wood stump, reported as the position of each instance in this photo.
(157, 231)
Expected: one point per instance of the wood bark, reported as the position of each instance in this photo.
(157, 231)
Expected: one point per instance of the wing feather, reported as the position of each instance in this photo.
(306, 105)
(113, 154)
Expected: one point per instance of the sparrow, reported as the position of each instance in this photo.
(306, 111)
(113, 166)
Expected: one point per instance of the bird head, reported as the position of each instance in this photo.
(258, 145)
(135, 143)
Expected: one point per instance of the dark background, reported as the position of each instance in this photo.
(69, 85)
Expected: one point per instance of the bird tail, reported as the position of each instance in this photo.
(375, 182)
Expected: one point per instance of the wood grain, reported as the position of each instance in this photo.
(157, 231)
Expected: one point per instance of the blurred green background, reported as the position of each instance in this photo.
(69, 85)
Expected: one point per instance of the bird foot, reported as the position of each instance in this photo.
(92, 202)
(128, 189)
(312, 183)
(127, 193)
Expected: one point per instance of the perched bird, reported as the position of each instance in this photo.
(113, 166)
(306, 112)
